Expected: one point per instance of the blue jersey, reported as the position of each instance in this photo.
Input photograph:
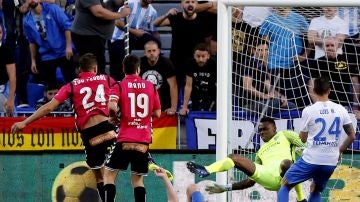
(284, 35)
(140, 18)
(47, 31)
(323, 121)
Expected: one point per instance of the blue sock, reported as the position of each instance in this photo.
(315, 197)
(283, 194)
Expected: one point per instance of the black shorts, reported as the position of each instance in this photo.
(120, 159)
(96, 155)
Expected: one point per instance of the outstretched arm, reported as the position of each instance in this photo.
(171, 193)
(164, 19)
(42, 111)
(216, 188)
(210, 7)
(243, 184)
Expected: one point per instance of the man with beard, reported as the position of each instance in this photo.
(160, 71)
(188, 28)
(343, 75)
(92, 26)
(141, 30)
(47, 29)
(200, 81)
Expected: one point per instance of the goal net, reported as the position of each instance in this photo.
(275, 54)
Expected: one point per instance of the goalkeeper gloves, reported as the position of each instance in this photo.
(217, 188)
(153, 166)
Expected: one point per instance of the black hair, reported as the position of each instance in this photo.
(267, 119)
(201, 47)
(87, 62)
(321, 85)
(130, 64)
(53, 86)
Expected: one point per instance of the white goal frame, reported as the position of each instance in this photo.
(224, 66)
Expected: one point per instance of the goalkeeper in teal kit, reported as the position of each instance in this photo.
(271, 162)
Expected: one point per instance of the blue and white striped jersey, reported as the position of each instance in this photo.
(140, 18)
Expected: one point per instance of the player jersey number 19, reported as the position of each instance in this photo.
(139, 102)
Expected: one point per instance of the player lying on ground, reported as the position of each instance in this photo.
(271, 161)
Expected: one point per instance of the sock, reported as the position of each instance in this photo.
(219, 166)
(109, 192)
(315, 197)
(140, 194)
(299, 192)
(283, 194)
(101, 191)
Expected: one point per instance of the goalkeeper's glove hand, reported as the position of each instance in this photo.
(216, 188)
(153, 166)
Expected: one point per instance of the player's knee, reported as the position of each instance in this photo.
(316, 188)
(284, 166)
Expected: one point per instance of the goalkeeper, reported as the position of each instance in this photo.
(271, 162)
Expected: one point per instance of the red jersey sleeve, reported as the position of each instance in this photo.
(112, 81)
(64, 93)
(115, 91)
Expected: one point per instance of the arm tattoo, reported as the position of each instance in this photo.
(348, 128)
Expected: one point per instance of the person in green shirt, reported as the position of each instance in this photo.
(272, 160)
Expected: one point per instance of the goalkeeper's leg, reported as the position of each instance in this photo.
(240, 162)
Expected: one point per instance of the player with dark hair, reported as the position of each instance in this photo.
(322, 126)
(137, 100)
(271, 161)
(200, 84)
(89, 93)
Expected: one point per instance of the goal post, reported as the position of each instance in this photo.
(224, 66)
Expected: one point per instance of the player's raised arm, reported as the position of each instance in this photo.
(42, 111)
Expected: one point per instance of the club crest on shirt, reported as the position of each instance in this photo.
(154, 77)
(340, 65)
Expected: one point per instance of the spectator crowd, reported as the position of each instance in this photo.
(277, 52)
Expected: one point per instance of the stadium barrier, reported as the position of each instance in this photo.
(34, 177)
(201, 129)
(59, 134)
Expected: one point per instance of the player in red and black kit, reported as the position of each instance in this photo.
(137, 100)
(89, 94)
